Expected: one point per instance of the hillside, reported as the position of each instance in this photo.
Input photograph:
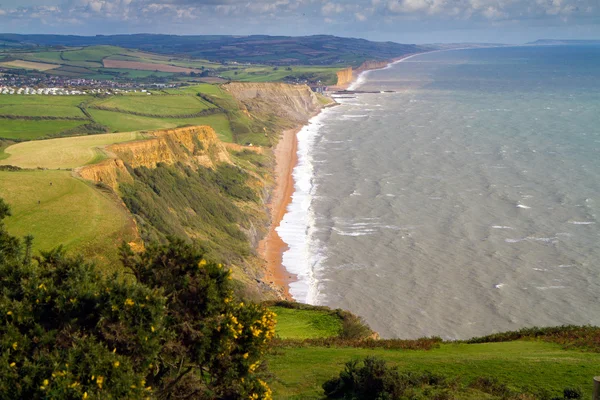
(261, 49)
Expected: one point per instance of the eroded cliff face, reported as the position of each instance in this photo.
(193, 146)
(296, 103)
(344, 76)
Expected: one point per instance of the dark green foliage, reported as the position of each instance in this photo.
(569, 336)
(374, 380)
(232, 180)
(180, 202)
(69, 332)
(214, 344)
(572, 393)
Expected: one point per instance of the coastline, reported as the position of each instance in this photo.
(272, 246)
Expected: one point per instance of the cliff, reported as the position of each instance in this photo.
(344, 76)
(295, 103)
(193, 146)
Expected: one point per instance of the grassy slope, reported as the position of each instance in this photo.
(305, 324)
(71, 212)
(300, 372)
(30, 130)
(42, 105)
(159, 105)
(63, 152)
(120, 122)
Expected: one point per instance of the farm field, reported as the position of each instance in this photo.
(64, 152)
(37, 66)
(299, 372)
(120, 122)
(145, 66)
(18, 129)
(69, 211)
(272, 74)
(167, 105)
(54, 106)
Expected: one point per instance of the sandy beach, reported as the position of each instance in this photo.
(271, 248)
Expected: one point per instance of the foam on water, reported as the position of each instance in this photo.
(301, 258)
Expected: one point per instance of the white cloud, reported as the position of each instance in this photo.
(332, 8)
(360, 17)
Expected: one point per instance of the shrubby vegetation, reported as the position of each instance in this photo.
(201, 206)
(172, 330)
(569, 336)
(373, 379)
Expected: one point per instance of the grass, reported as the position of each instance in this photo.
(205, 88)
(70, 212)
(21, 64)
(306, 324)
(31, 130)
(92, 53)
(134, 73)
(270, 74)
(64, 152)
(42, 105)
(158, 105)
(120, 122)
(299, 372)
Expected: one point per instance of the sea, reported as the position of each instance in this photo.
(460, 199)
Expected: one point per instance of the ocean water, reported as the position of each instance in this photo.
(466, 202)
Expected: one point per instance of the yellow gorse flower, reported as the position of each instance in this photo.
(129, 302)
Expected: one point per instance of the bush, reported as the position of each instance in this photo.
(69, 332)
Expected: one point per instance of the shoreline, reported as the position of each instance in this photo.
(272, 246)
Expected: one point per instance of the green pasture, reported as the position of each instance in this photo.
(135, 73)
(160, 105)
(299, 372)
(121, 122)
(205, 88)
(272, 74)
(92, 53)
(42, 105)
(18, 129)
(52, 57)
(57, 208)
(64, 153)
(305, 324)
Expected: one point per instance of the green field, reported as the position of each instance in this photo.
(120, 122)
(192, 90)
(168, 105)
(42, 105)
(30, 130)
(93, 53)
(305, 324)
(134, 73)
(299, 372)
(273, 74)
(70, 212)
(64, 152)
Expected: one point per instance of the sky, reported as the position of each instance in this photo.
(402, 21)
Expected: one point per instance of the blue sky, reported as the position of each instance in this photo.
(404, 21)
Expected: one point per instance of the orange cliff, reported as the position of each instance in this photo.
(192, 146)
(344, 76)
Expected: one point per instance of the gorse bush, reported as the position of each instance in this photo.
(175, 331)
